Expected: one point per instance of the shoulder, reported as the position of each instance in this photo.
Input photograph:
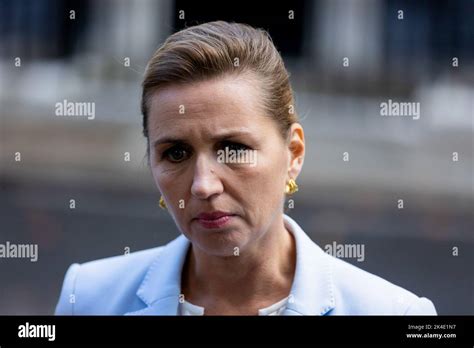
(359, 292)
(92, 287)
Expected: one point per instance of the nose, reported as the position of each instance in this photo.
(205, 181)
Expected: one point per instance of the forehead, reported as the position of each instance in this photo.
(207, 107)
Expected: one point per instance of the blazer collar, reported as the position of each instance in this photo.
(311, 293)
(161, 287)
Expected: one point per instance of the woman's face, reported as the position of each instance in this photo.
(193, 132)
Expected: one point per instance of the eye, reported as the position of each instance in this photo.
(234, 146)
(176, 154)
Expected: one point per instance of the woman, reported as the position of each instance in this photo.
(225, 148)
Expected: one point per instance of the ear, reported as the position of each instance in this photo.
(296, 147)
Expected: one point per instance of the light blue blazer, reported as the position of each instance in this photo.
(148, 282)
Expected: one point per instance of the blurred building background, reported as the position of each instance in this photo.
(52, 50)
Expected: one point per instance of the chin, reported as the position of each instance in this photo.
(219, 243)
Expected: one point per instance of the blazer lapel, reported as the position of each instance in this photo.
(161, 287)
(312, 290)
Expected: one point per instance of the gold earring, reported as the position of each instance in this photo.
(162, 203)
(291, 187)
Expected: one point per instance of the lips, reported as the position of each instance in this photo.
(215, 219)
(213, 215)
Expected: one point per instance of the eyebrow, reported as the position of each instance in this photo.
(219, 137)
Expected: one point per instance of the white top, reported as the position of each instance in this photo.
(187, 308)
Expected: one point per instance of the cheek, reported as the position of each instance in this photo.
(158, 178)
(263, 185)
(164, 181)
(172, 184)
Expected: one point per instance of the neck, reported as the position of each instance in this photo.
(262, 273)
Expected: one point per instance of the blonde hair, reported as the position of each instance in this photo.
(218, 49)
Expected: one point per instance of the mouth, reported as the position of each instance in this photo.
(215, 219)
